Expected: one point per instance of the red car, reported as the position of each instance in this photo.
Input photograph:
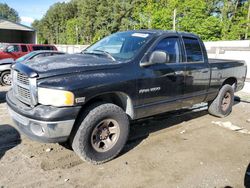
(15, 51)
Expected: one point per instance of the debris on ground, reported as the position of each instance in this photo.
(230, 126)
(183, 131)
(49, 149)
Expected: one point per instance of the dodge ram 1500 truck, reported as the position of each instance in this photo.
(89, 98)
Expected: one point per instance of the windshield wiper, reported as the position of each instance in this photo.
(107, 54)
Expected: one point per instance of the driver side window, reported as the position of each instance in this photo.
(171, 45)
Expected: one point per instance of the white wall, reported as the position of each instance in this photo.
(71, 48)
(234, 43)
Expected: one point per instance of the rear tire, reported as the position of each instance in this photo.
(221, 106)
(102, 133)
(5, 78)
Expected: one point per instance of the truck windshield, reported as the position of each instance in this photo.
(120, 46)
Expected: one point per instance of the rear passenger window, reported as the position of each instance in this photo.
(24, 48)
(170, 45)
(193, 50)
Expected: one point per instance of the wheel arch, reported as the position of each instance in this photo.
(231, 81)
(120, 99)
(3, 71)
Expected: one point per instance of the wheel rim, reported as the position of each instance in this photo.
(105, 135)
(226, 101)
(7, 79)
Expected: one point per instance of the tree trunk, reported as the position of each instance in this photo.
(248, 19)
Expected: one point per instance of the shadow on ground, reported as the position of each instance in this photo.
(9, 138)
(241, 99)
(247, 177)
(3, 96)
(141, 129)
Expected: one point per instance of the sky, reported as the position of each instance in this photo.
(29, 10)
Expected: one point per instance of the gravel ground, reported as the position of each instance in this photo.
(186, 148)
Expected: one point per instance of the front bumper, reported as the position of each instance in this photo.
(43, 131)
(42, 123)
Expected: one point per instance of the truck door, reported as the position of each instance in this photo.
(162, 85)
(197, 71)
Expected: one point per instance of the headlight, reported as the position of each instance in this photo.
(55, 97)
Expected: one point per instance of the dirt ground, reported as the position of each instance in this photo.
(187, 148)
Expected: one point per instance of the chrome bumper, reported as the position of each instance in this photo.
(43, 131)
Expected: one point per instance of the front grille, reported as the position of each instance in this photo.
(23, 89)
(24, 93)
(22, 78)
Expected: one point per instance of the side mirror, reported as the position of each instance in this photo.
(157, 57)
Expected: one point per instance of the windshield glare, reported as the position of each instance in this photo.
(25, 57)
(122, 46)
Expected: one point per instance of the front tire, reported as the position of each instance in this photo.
(222, 105)
(6, 78)
(102, 133)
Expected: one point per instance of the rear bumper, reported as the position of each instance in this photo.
(43, 131)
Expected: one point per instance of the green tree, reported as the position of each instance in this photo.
(41, 38)
(8, 13)
(73, 31)
(86, 21)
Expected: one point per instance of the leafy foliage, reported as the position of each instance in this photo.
(8, 13)
(85, 21)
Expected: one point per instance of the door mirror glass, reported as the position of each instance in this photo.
(157, 57)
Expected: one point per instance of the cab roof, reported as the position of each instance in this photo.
(160, 32)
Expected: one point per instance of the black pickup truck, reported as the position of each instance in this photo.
(89, 98)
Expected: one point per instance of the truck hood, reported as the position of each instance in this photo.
(65, 64)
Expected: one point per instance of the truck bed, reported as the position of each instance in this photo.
(213, 60)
